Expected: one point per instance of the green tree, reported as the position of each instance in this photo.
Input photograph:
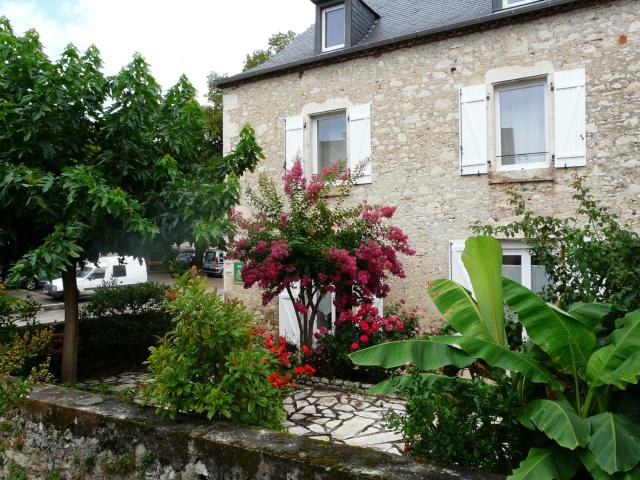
(92, 164)
(276, 43)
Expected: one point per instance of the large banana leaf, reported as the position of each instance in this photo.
(391, 386)
(482, 257)
(615, 442)
(424, 354)
(460, 310)
(606, 365)
(502, 357)
(590, 314)
(547, 464)
(559, 421)
(589, 461)
(568, 342)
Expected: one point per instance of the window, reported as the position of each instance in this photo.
(516, 3)
(330, 140)
(517, 264)
(333, 28)
(521, 125)
(98, 274)
(119, 271)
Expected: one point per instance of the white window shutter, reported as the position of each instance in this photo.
(473, 130)
(360, 141)
(570, 118)
(288, 324)
(457, 271)
(294, 140)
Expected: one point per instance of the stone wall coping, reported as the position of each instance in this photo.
(226, 447)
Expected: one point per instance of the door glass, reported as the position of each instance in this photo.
(523, 125)
(539, 278)
(119, 271)
(512, 267)
(332, 141)
(325, 313)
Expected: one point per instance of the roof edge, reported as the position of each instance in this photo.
(341, 55)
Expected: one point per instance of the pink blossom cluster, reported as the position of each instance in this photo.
(267, 267)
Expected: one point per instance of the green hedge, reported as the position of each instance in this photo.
(117, 327)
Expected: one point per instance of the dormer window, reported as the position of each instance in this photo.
(516, 3)
(333, 28)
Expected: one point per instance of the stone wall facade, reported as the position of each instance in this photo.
(413, 93)
(72, 435)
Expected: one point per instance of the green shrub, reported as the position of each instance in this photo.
(209, 363)
(118, 325)
(462, 423)
(16, 472)
(54, 475)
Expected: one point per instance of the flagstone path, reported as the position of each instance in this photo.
(317, 412)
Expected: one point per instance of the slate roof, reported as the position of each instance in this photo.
(399, 20)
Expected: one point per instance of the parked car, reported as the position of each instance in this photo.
(107, 272)
(185, 259)
(35, 282)
(213, 263)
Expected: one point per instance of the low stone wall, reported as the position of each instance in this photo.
(64, 433)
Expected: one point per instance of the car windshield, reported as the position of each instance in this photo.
(84, 272)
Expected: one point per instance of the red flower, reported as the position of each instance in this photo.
(364, 339)
(355, 346)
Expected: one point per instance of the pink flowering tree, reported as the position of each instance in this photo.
(308, 243)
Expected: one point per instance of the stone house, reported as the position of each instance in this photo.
(453, 102)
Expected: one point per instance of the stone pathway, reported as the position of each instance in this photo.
(320, 413)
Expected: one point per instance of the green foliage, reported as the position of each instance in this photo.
(54, 475)
(91, 164)
(589, 258)
(145, 462)
(455, 423)
(118, 325)
(588, 408)
(16, 472)
(208, 364)
(276, 43)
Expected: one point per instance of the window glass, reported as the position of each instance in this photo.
(512, 267)
(332, 140)
(522, 125)
(84, 272)
(334, 24)
(515, 3)
(210, 257)
(119, 271)
(325, 313)
(98, 274)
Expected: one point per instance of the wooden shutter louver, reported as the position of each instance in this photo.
(360, 141)
(473, 130)
(570, 119)
(294, 140)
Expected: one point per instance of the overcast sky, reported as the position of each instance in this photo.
(193, 37)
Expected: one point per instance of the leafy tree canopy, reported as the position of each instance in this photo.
(276, 43)
(91, 164)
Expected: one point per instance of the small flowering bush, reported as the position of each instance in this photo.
(309, 244)
(213, 363)
(284, 378)
(364, 328)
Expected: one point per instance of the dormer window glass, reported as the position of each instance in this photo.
(516, 3)
(333, 28)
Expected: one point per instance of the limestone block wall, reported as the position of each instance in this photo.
(413, 93)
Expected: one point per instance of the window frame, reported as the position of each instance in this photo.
(315, 157)
(515, 85)
(324, 28)
(119, 267)
(505, 3)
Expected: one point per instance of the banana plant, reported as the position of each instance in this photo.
(587, 408)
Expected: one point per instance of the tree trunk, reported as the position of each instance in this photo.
(199, 260)
(69, 371)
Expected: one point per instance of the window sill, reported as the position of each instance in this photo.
(538, 175)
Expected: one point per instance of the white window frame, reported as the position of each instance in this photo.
(324, 28)
(314, 136)
(505, 3)
(514, 85)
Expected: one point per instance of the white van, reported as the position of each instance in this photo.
(108, 272)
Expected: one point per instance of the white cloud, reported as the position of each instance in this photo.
(193, 37)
